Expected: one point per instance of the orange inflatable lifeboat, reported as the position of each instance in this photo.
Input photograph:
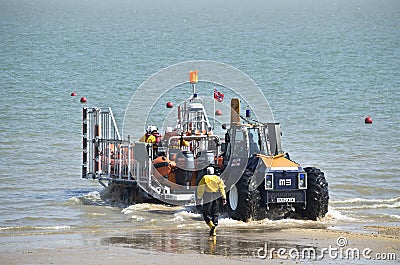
(163, 165)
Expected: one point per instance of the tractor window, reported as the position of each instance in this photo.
(264, 143)
(240, 145)
(254, 141)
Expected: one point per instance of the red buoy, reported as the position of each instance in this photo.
(170, 105)
(83, 100)
(368, 119)
(73, 94)
(218, 112)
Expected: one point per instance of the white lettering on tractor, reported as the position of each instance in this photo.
(285, 182)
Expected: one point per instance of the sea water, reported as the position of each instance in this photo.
(322, 65)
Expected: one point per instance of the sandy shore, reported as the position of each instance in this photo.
(331, 247)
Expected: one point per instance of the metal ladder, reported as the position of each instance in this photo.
(102, 146)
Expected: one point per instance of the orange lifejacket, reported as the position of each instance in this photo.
(158, 137)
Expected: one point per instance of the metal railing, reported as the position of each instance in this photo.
(104, 153)
(106, 157)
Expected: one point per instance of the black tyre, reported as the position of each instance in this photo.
(125, 194)
(243, 202)
(317, 195)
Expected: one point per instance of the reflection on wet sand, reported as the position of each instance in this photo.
(229, 243)
(179, 230)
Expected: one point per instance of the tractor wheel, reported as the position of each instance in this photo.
(243, 202)
(317, 195)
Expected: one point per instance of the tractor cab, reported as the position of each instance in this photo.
(246, 140)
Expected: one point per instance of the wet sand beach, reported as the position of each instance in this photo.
(283, 246)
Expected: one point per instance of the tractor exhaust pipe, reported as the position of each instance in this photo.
(235, 111)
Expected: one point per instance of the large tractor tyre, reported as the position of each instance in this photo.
(317, 195)
(243, 202)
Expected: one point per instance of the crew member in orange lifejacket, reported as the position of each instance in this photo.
(151, 136)
(154, 137)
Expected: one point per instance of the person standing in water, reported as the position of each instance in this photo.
(210, 188)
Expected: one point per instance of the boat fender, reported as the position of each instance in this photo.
(163, 165)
